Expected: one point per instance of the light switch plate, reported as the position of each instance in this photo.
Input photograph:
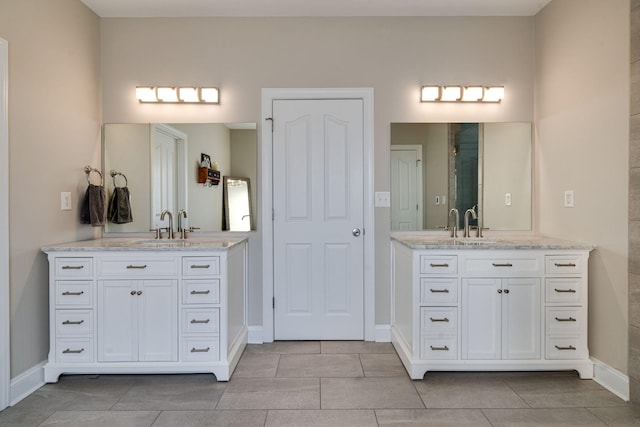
(65, 201)
(569, 199)
(382, 199)
(507, 199)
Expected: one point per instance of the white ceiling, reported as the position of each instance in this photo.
(210, 8)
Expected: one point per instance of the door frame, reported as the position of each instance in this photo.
(5, 306)
(268, 96)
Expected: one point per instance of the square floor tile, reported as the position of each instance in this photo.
(382, 365)
(257, 365)
(356, 347)
(456, 390)
(618, 416)
(215, 418)
(101, 419)
(322, 418)
(432, 417)
(556, 417)
(369, 393)
(172, 392)
(271, 393)
(319, 365)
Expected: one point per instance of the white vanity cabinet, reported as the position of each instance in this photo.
(122, 309)
(501, 306)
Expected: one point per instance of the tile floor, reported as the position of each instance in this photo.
(325, 383)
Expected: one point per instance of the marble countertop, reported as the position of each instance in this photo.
(144, 244)
(489, 243)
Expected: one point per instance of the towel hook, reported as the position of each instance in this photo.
(115, 173)
(88, 170)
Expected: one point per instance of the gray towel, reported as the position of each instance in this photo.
(93, 206)
(120, 206)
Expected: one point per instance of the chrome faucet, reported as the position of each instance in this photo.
(181, 229)
(467, 232)
(454, 229)
(170, 227)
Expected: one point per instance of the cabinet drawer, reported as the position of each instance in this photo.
(201, 349)
(564, 319)
(506, 266)
(571, 346)
(564, 264)
(74, 350)
(439, 320)
(445, 264)
(563, 290)
(132, 267)
(200, 320)
(438, 290)
(73, 267)
(74, 294)
(74, 322)
(201, 291)
(201, 266)
(438, 348)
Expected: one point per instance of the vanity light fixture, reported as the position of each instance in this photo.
(457, 93)
(178, 94)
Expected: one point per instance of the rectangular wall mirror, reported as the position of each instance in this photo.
(161, 162)
(439, 166)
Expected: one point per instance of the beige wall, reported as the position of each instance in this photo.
(392, 55)
(244, 162)
(582, 114)
(54, 131)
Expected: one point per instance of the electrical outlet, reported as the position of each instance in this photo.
(382, 199)
(65, 201)
(569, 199)
(507, 199)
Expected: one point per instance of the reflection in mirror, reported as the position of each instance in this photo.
(161, 163)
(439, 166)
(237, 204)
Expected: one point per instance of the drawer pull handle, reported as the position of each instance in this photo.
(200, 266)
(568, 264)
(568, 319)
(565, 348)
(439, 291)
(439, 320)
(72, 267)
(570, 291)
(200, 350)
(71, 322)
(201, 292)
(506, 264)
(445, 265)
(445, 348)
(136, 267)
(199, 321)
(67, 293)
(69, 351)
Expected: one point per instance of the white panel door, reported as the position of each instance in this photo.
(481, 318)
(521, 318)
(406, 176)
(163, 176)
(318, 217)
(117, 319)
(158, 320)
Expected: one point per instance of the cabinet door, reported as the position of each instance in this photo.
(521, 318)
(117, 331)
(481, 313)
(158, 320)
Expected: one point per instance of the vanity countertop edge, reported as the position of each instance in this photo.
(490, 243)
(196, 244)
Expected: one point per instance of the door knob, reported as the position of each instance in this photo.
(355, 232)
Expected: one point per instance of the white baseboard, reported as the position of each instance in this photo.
(611, 379)
(383, 333)
(255, 335)
(26, 383)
